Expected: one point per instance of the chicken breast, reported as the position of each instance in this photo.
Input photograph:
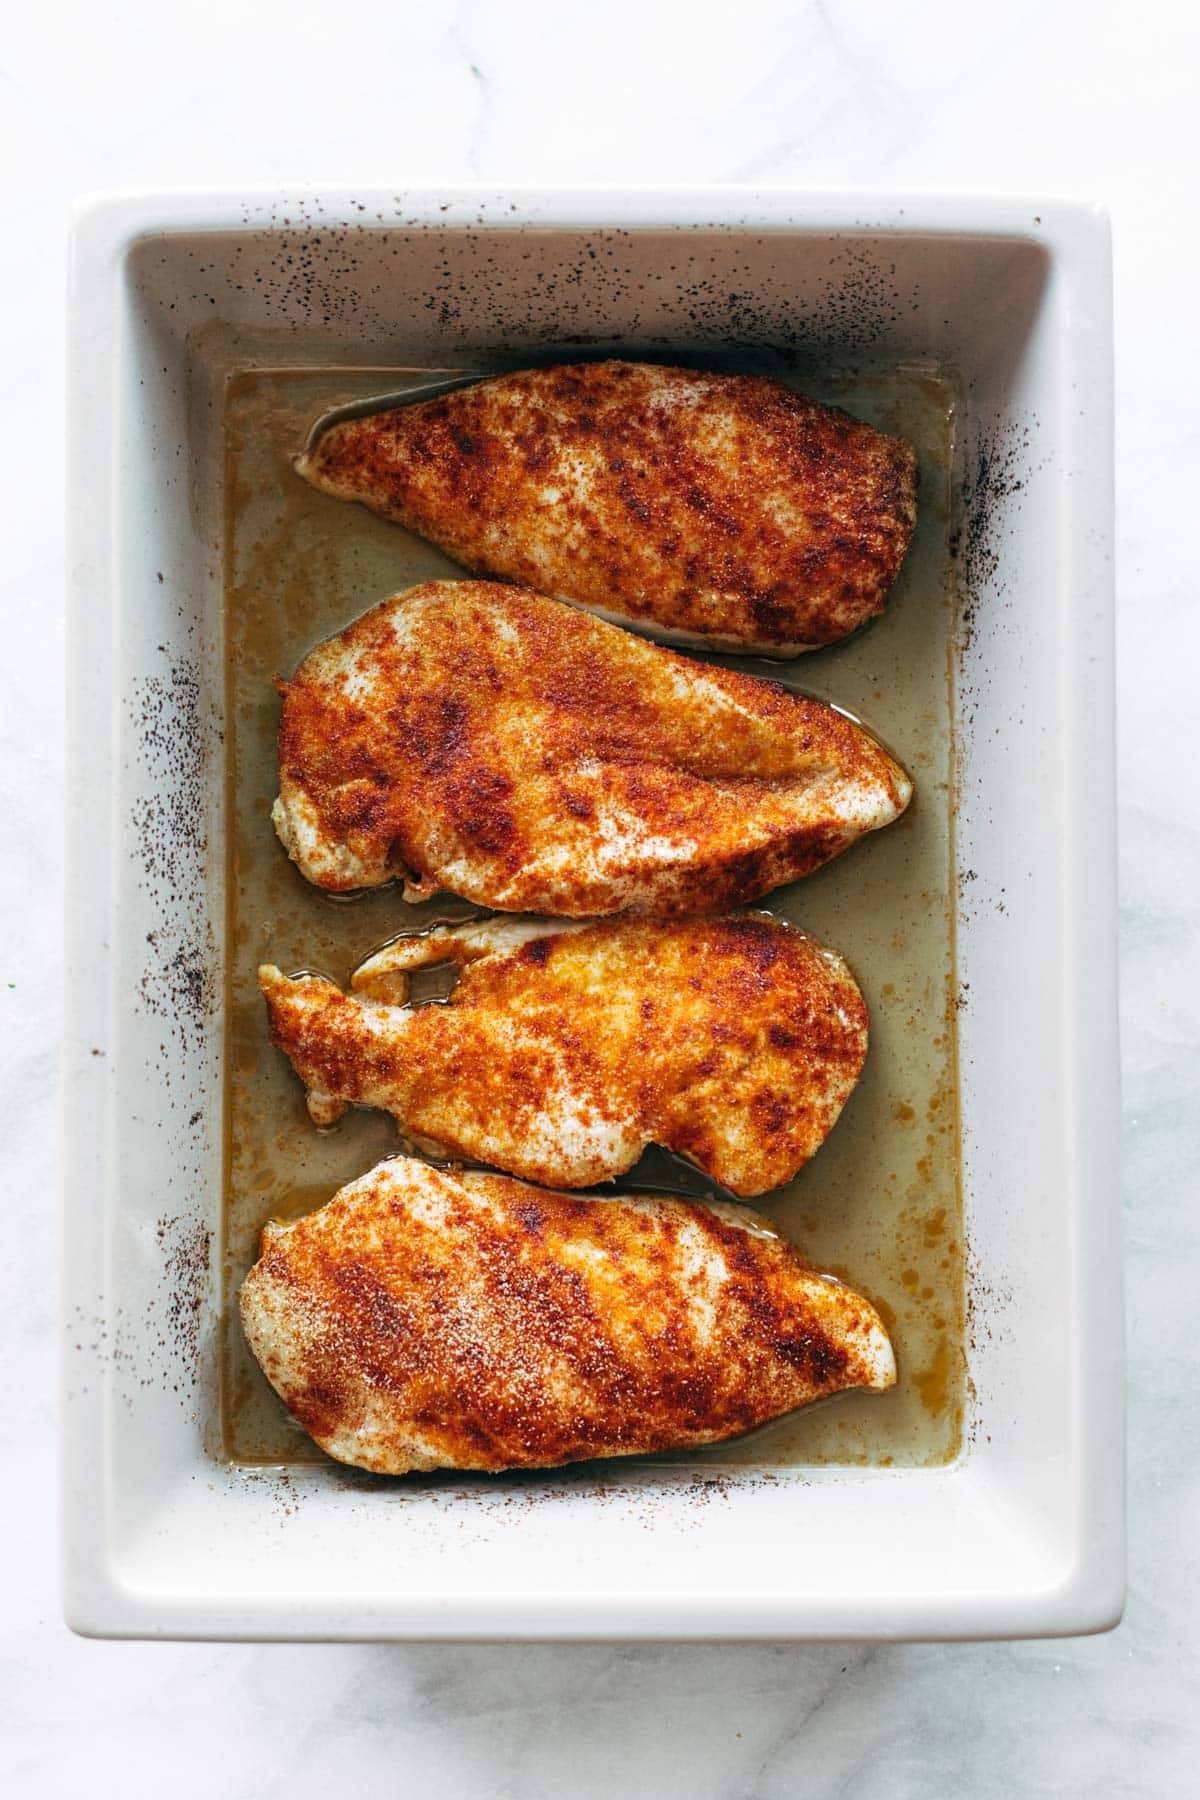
(721, 510)
(429, 1319)
(565, 1050)
(484, 739)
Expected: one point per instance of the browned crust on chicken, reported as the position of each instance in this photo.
(430, 1319)
(532, 758)
(724, 507)
(564, 1051)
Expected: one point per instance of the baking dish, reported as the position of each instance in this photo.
(164, 1533)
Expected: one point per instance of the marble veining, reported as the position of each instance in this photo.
(1069, 99)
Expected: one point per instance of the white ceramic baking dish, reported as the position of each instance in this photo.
(1023, 1532)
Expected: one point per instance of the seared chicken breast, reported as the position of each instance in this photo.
(566, 1049)
(430, 1319)
(483, 739)
(722, 510)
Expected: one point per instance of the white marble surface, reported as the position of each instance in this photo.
(1083, 99)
